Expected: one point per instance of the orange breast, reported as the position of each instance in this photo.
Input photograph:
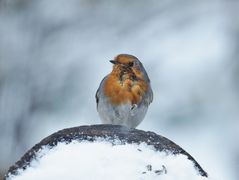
(126, 91)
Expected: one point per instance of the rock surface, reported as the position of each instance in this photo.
(110, 133)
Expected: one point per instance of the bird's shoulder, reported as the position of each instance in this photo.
(100, 88)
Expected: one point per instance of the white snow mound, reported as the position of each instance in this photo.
(101, 160)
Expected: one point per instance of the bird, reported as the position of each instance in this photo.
(125, 93)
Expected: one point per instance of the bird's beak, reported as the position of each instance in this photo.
(113, 62)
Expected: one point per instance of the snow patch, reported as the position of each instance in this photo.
(102, 160)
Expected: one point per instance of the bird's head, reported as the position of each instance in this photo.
(128, 63)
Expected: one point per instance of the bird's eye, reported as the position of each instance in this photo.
(131, 64)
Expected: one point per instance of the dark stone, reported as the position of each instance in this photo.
(149, 167)
(161, 171)
(110, 132)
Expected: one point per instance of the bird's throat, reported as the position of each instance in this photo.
(123, 87)
(126, 74)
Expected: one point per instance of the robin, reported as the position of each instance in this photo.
(125, 94)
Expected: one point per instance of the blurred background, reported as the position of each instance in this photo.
(53, 55)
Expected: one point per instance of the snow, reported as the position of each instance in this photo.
(102, 160)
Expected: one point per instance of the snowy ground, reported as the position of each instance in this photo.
(103, 161)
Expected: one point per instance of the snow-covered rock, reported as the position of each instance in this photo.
(106, 152)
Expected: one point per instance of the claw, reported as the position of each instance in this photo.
(134, 106)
